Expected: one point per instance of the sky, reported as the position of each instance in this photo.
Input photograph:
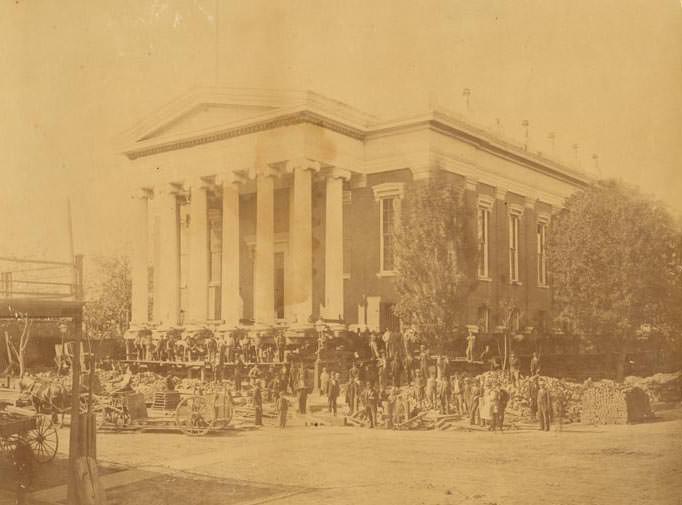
(604, 75)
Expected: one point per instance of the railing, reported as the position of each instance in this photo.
(25, 278)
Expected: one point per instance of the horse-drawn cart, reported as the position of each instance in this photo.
(21, 427)
(194, 415)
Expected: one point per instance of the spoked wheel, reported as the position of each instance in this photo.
(195, 416)
(43, 440)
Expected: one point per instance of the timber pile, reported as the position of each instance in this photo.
(606, 402)
(566, 395)
(661, 387)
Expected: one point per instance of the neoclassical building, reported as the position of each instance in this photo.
(269, 206)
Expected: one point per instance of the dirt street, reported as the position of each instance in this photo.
(581, 465)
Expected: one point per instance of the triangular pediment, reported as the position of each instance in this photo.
(203, 117)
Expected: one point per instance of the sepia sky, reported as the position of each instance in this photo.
(603, 74)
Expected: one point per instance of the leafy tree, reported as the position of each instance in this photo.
(614, 257)
(109, 292)
(435, 252)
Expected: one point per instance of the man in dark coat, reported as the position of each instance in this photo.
(544, 407)
(258, 404)
(333, 391)
(502, 400)
(371, 402)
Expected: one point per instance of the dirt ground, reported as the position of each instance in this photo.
(581, 465)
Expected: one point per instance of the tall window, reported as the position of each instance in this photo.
(514, 220)
(387, 234)
(483, 238)
(542, 253)
(388, 196)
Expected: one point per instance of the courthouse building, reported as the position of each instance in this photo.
(271, 207)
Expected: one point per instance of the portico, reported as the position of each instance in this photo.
(269, 207)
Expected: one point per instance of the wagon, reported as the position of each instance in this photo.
(36, 431)
(193, 415)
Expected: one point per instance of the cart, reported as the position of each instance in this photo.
(194, 415)
(18, 426)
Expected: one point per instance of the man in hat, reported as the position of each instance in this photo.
(324, 381)
(544, 407)
(535, 364)
(258, 404)
(238, 372)
(371, 403)
(333, 391)
(502, 400)
(396, 370)
(282, 408)
(515, 369)
(471, 342)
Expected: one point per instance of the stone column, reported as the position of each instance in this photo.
(140, 260)
(230, 300)
(301, 239)
(264, 275)
(197, 310)
(333, 244)
(167, 271)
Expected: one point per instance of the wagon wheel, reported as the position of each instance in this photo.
(195, 416)
(43, 440)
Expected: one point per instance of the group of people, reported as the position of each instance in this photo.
(204, 345)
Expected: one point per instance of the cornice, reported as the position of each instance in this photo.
(317, 110)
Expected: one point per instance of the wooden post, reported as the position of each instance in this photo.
(74, 433)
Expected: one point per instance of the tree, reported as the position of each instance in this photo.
(106, 314)
(435, 253)
(614, 257)
(16, 354)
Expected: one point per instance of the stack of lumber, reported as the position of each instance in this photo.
(661, 387)
(606, 402)
(166, 400)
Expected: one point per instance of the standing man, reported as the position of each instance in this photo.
(396, 371)
(444, 395)
(431, 392)
(391, 404)
(302, 393)
(258, 404)
(535, 365)
(533, 397)
(324, 382)
(502, 400)
(474, 413)
(544, 407)
(371, 402)
(382, 370)
(515, 368)
(333, 391)
(238, 373)
(471, 342)
(458, 394)
(282, 407)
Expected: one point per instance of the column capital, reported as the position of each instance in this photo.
(143, 193)
(338, 173)
(471, 183)
(500, 193)
(302, 164)
(266, 171)
(232, 177)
